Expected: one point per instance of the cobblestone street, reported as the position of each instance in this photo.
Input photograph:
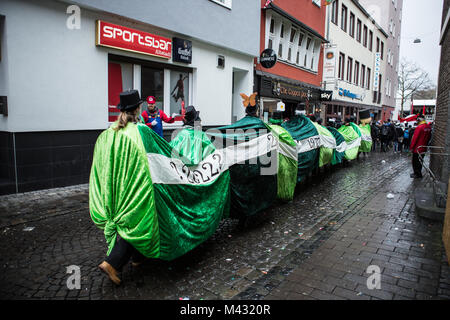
(316, 247)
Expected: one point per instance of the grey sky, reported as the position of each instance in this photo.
(422, 19)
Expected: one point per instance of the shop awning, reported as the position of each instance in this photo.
(283, 13)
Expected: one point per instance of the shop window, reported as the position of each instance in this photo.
(152, 84)
(120, 78)
(179, 90)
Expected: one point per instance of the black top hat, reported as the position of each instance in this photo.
(364, 114)
(129, 100)
(191, 115)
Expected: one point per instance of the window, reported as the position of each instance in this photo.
(344, 18)
(356, 79)
(351, 25)
(363, 75)
(300, 43)
(370, 40)
(365, 36)
(349, 69)
(358, 31)
(368, 79)
(378, 45)
(316, 2)
(280, 45)
(291, 43)
(272, 25)
(341, 65)
(382, 50)
(270, 44)
(307, 53)
(334, 12)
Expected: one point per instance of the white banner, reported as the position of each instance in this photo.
(329, 63)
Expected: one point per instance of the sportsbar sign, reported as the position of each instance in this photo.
(123, 38)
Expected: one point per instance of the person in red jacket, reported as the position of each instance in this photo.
(421, 137)
(153, 117)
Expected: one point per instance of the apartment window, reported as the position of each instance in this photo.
(382, 50)
(344, 18)
(308, 46)
(291, 43)
(341, 65)
(349, 69)
(368, 79)
(358, 30)
(300, 43)
(356, 80)
(272, 26)
(351, 25)
(334, 12)
(378, 45)
(370, 40)
(280, 45)
(293, 31)
(365, 36)
(363, 75)
(270, 43)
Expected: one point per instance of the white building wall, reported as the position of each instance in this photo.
(355, 50)
(58, 78)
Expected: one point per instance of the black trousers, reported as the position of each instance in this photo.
(417, 165)
(121, 254)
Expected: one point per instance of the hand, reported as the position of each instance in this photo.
(154, 123)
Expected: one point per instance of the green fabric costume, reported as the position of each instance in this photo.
(353, 140)
(308, 143)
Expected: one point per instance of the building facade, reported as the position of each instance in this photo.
(440, 164)
(388, 14)
(296, 37)
(62, 67)
(355, 61)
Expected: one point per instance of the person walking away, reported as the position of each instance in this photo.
(420, 139)
(385, 133)
(375, 133)
(399, 134)
(122, 250)
(153, 117)
(406, 138)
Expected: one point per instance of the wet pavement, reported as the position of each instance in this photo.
(317, 246)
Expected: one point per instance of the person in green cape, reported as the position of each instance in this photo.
(123, 251)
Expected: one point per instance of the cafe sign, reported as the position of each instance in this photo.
(123, 38)
(289, 91)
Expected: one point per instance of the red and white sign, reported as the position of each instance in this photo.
(123, 38)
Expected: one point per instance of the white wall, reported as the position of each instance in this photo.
(355, 50)
(58, 77)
